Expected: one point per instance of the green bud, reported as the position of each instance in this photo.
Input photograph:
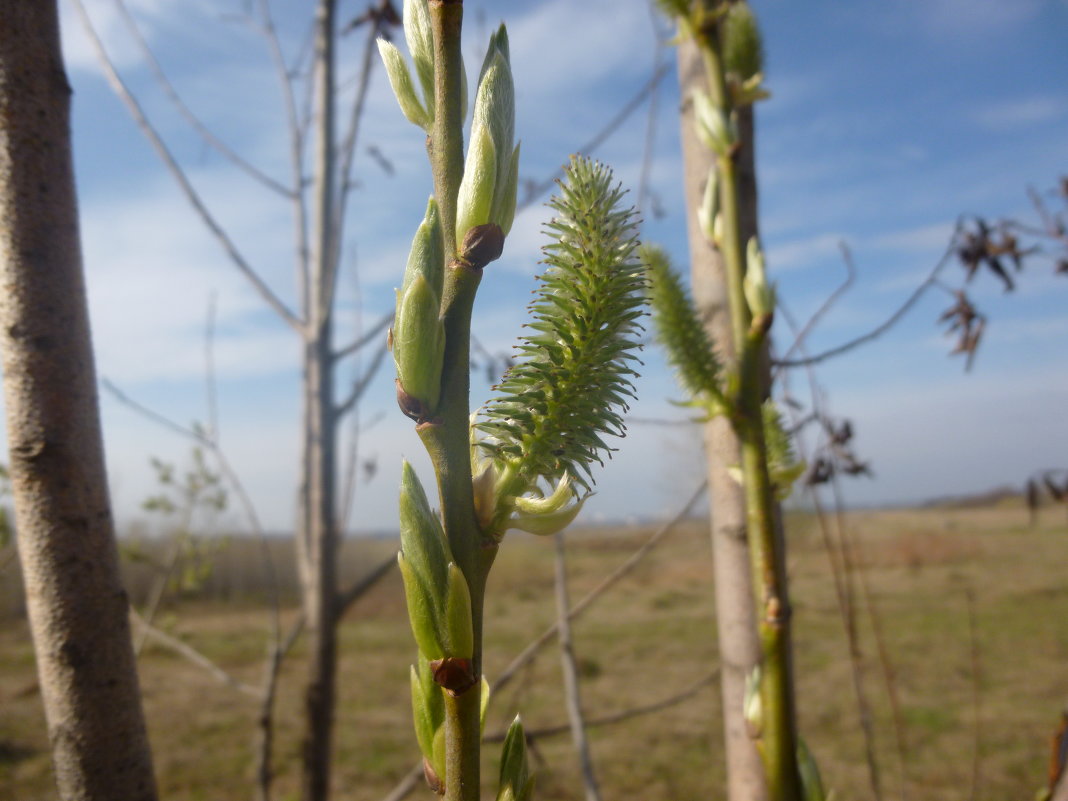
(504, 199)
(428, 709)
(714, 128)
(427, 255)
(488, 194)
(516, 783)
(422, 610)
(484, 484)
(459, 630)
(475, 198)
(400, 78)
(424, 561)
(420, 38)
(811, 781)
(709, 208)
(419, 343)
(758, 294)
(743, 48)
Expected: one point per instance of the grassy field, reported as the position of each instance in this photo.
(932, 573)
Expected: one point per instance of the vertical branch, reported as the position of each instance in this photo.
(739, 648)
(75, 600)
(446, 439)
(321, 534)
(571, 677)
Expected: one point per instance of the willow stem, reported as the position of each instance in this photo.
(778, 737)
(446, 437)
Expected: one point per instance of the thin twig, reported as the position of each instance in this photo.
(193, 655)
(572, 693)
(365, 583)
(617, 717)
(532, 649)
(361, 384)
(195, 123)
(179, 175)
(296, 151)
(535, 191)
(977, 709)
(376, 331)
(891, 321)
(806, 329)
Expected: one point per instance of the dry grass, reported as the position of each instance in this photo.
(649, 638)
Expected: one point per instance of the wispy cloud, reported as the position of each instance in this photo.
(1011, 115)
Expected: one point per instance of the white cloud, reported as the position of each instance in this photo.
(151, 16)
(821, 250)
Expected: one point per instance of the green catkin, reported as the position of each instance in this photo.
(573, 380)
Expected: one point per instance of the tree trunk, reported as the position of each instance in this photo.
(321, 536)
(739, 647)
(75, 600)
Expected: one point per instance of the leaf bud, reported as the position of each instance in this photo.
(491, 170)
(428, 710)
(424, 561)
(419, 346)
(459, 628)
(516, 783)
(758, 294)
(811, 781)
(714, 127)
(420, 38)
(427, 254)
(709, 208)
(400, 79)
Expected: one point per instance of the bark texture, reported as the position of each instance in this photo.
(739, 646)
(75, 600)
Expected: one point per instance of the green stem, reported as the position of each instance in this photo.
(778, 737)
(446, 438)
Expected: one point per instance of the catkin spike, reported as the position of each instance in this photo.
(574, 377)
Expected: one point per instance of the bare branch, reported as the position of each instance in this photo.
(194, 122)
(360, 588)
(192, 196)
(376, 331)
(536, 190)
(882, 328)
(572, 695)
(617, 717)
(155, 417)
(364, 381)
(528, 653)
(806, 329)
(193, 655)
(296, 150)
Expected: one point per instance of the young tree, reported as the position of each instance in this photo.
(319, 188)
(77, 606)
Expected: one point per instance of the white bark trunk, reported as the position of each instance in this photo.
(76, 604)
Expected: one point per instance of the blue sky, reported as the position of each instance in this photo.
(887, 121)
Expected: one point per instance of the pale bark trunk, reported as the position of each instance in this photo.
(321, 537)
(739, 648)
(76, 604)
